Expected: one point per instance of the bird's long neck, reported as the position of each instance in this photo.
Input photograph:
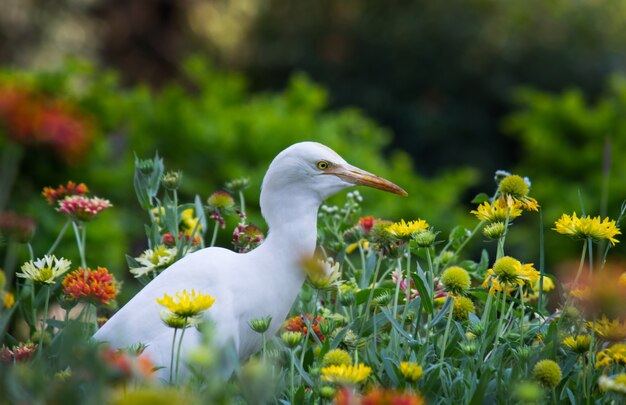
(292, 219)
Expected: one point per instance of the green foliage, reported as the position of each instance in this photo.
(571, 149)
(213, 129)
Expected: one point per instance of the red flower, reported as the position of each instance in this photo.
(13, 226)
(92, 285)
(32, 119)
(367, 223)
(53, 195)
(169, 241)
(83, 208)
(22, 352)
(378, 396)
(297, 324)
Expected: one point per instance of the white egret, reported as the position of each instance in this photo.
(265, 281)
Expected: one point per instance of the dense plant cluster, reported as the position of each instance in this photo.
(392, 312)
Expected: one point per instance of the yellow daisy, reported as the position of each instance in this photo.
(497, 212)
(511, 273)
(610, 330)
(405, 230)
(615, 354)
(410, 371)
(579, 344)
(587, 227)
(346, 374)
(186, 305)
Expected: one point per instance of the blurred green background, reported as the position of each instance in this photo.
(435, 96)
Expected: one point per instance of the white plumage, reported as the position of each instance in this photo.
(263, 282)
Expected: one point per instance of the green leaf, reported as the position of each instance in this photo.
(420, 283)
(444, 309)
(480, 198)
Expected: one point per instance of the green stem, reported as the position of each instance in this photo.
(397, 294)
(43, 321)
(541, 263)
(242, 204)
(371, 295)
(59, 237)
(462, 245)
(291, 373)
(34, 305)
(80, 240)
(582, 262)
(502, 316)
(447, 331)
(214, 237)
(172, 355)
(180, 344)
(521, 318)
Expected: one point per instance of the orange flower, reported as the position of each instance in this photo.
(33, 119)
(297, 324)
(128, 365)
(53, 195)
(378, 396)
(92, 285)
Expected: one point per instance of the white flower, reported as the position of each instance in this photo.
(616, 384)
(45, 270)
(322, 273)
(154, 259)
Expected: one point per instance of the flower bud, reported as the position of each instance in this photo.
(221, 200)
(172, 179)
(424, 239)
(260, 325)
(238, 185)
(291, 339)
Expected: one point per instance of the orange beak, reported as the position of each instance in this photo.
(360, 177)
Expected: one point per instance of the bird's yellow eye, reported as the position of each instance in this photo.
(322, 165)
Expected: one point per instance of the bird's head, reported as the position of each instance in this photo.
(311, 168)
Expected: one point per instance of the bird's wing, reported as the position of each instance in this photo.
(206, 271)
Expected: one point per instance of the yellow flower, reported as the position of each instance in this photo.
(548, 373)
(579, 344)
(8, 300)
(336, 357)
(548, 284)
(410, 371)
(587, 227)
(515, 189)
(582, 293)
(456, 279)
(514, 186)
(346, 374)
(364, 243)
(405, 230)
(189, 223)
(615, 354)
(510, 272)
(46, 270)
(497, 211)
(186, 305)
(612, 331)
(463, 306)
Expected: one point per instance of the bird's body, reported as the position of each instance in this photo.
(248, 286)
